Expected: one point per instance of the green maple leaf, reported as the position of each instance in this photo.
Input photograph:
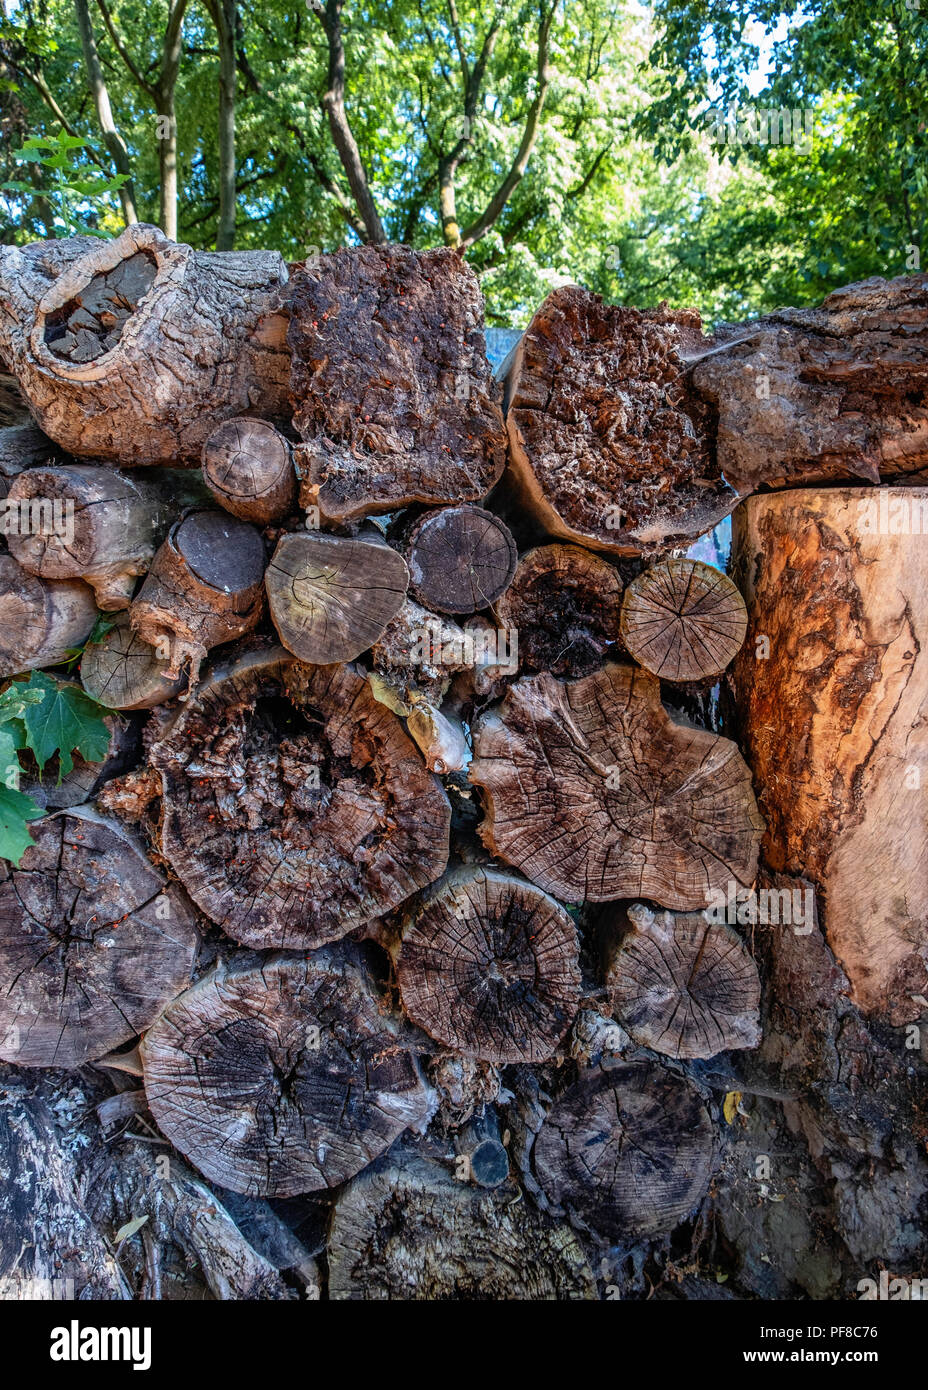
(15, 810)
(66, 720)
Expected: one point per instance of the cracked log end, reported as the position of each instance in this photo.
(489, 966)
(683, 620)
(595, 793)
(248, 467)
(564, 604)
(461, 559)
(296, 808)
(123, 672)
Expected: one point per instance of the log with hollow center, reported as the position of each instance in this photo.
(564, 602)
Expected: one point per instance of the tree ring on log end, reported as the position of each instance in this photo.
(284, 1078)
(296, 807)
(461, 559)
(93, 943)
(489, 966)
(683, 620)
(629, 1151)
(248, 467)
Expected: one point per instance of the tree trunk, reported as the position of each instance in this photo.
(101, 100)
(564, 604)
(152, 375)
(248, 467)
(123, 672)
(683, 620)
(95, 942)
(461, 559)
(832, 684)
(41, 621)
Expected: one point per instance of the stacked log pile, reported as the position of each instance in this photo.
(422, 930)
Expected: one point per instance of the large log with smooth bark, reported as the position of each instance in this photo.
(564, 602)
(134, 349)
(594, 792)
(392, 391)
(296, 808)
(42, 621)
(283, 1077)
(94, 942)
(832, 686)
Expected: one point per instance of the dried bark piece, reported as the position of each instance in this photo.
(248, 467)
(295, 806)
(682, 985)
(832, 687)
(628, 1151)
(203, 342)
(205, 587)
(407, 1230)
(124, 672)
(283, 1078)
(41, 620)
(461, 559)
(564, 602)
(392, 389)
(594, 792)
(489, 966)
(93, 942)
(683, 620)
(607, 446)
(97, 524)
(330, 597)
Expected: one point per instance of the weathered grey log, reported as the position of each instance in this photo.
(248, 467)
(683, 620)
(42, 621)
(124, 672)
(461, 559)
(564, 604)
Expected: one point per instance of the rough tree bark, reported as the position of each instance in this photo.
(564, 602)
(683, 620)
(461, 559)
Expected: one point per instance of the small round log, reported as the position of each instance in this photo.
(461, 559)
(683, 620)
(456, 1241)
(205, 587)
(96, 524)
(330, 597)
(682, 985)
(489, 966)
(284, 1078)
(248, 467)
(41, 620)
(594, 792)
(93, 943)
(296, 808)
(628, 1151)
(124, 672)
(564, 602)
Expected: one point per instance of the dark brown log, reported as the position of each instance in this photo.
(124, 672)
(564, 604)
(832, 686)
(295, 806)
(456, 1241)
(607, 447)
(330, 597)
(593, 791)
(248, 467)
(628, 1151)
(461, 559)
(42, 621)
(683, 620)
(283, 1078)
(682, 985)
(199, 344)
(393, 394)
(97, 524)
(23, 446)
(93, 943)
(488, 966)
(205, 587)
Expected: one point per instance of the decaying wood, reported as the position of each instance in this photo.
(97, 524)
(200, 344)
(593, 791)
(283, 1078)
(330, 597)
(564, 603)
(53, 792)
(683, 620)
(42, 621)
(461, 559)
(123, 672)
(628, 1151)
(248, 467)
(682, 985)
(832, 685)
(392, 390)
(205, 587)
(295, 806)
(607, 446)
(489, 966)
(93, 943)
(455, 1242)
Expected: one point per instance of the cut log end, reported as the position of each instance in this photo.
(683, 620)
(42, 621)
(461, 559)
(248, 467)
(564, 603)
(123, 672)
